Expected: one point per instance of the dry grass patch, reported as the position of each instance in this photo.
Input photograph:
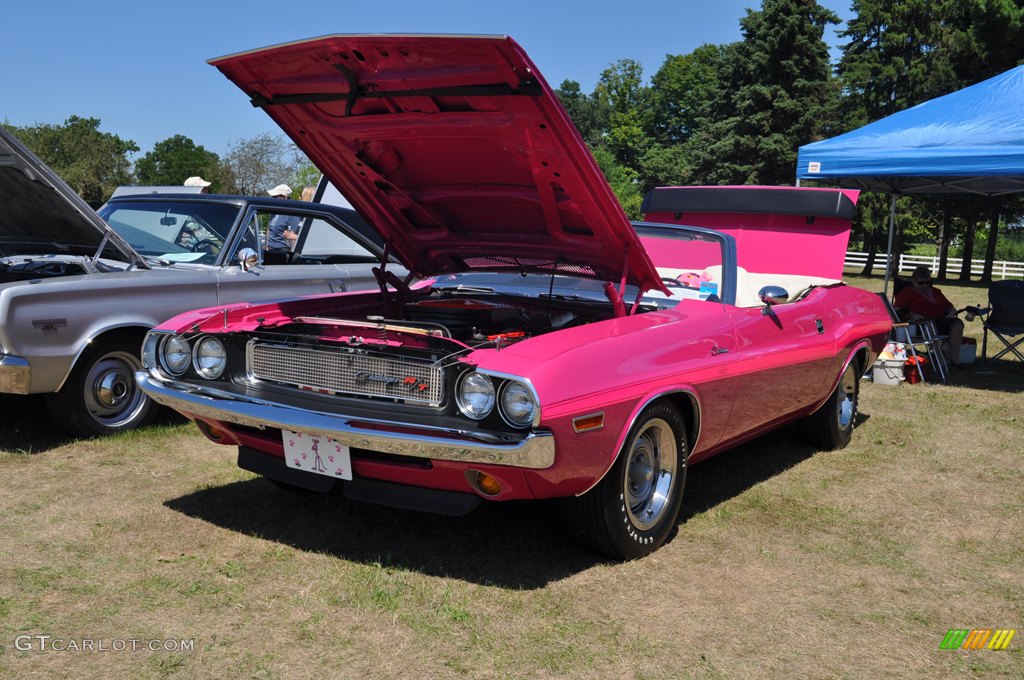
(787, 563)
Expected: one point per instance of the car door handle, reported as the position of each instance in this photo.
(719, 350)
(337, 286)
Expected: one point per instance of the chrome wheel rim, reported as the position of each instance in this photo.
(111, 396)
(650, 473)
(846, 399)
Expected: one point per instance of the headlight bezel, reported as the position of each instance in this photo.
(200, 369)
(162, 352)
(460, 400)
(524, 388)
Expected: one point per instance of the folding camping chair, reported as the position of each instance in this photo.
(921, 338)
(1004, 317)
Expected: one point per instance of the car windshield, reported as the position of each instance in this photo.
(175, 231)
(689, 262)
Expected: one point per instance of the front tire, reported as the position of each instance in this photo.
(831, 426)
(634, 509)
(100, 396)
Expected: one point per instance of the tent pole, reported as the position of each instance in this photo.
(888, 252)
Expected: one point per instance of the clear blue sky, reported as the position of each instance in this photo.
(140, 67)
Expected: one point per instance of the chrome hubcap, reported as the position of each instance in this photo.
(112, 388)
(111, 397)
(846, 399)
(650, 473)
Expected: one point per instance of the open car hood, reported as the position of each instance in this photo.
(42, 215)
(453, 147)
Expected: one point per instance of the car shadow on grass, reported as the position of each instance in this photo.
(520, 545)
(510, 545)
(27, 427)
(729, 474)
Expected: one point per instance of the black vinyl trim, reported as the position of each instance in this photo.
(818, 203)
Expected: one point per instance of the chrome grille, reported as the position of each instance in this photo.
(347, 372)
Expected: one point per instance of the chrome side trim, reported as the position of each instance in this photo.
(15, 374)
(536, 450)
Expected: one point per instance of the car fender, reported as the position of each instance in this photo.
(675, 394)
(862, 347)
(50, 323)
(141, 327)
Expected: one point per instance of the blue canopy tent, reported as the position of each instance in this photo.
(968, 142)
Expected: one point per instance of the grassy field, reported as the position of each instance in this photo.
(787, 562)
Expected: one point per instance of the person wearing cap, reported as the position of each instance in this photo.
(921, 301)
(197, 181)
(282, 231)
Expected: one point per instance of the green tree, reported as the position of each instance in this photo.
(93, 163)
(174, 160)
(588, 113)
(622, 92)
(261, 162)
(891, 60)
(775, 93)
(623, 181)
(901, 54)
(308, 175)
(680, 89)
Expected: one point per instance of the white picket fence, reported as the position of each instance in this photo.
(1001, 269)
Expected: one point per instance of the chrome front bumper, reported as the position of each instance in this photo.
(15, 374)
(536, 450)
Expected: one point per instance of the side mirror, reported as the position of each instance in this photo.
(247, 259)
(772, 295)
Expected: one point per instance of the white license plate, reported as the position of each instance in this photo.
(320, 455)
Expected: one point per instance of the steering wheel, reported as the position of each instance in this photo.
(204, 246)
(674, 283)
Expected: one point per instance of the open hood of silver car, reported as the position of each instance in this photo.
(42, 215)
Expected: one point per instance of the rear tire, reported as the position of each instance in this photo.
(634, 509)
(831, 426)
(100, 397)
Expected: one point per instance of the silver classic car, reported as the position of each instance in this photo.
(79, 290)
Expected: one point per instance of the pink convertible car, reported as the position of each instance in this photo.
(542, 346)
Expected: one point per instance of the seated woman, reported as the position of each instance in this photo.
(921, 301)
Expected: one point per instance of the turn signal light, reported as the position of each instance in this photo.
(594, 421)
(212, 433)
(483, 482)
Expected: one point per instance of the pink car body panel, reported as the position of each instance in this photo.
(815, 245)
(680, 355)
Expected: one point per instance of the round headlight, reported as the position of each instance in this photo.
(517, 405)
(211, 358)
(175, 354)
(475, 395)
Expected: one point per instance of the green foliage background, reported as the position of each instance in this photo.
(734, 113)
